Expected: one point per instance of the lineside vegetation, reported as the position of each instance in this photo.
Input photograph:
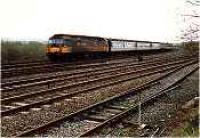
(22, 51)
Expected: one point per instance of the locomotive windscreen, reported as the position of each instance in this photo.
(56, 42)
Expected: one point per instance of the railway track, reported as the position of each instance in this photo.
(44, 62)
(17, 85)
(90, 89)
(151, 120)
(60, 74)
(43, 68)
(24, 64)
(22, 102)
(63, 76)
(111, 110)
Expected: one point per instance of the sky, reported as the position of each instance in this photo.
(152, 20)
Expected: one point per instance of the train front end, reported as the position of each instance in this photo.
(58, 48)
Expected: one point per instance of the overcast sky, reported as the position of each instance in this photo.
(153, 20)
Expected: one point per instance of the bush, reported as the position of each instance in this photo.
(19, 51)
(191, 47)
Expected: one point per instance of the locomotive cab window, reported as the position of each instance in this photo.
(68, 42)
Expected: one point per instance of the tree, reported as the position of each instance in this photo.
(191, 31)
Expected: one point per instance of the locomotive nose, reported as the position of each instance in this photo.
(66, 49)
(54, 50)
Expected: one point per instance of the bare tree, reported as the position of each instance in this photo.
(191, 17)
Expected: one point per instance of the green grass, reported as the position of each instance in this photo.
(190, 125)
(19, 51)
(189, 130)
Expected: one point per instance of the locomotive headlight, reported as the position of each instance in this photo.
(54, 49)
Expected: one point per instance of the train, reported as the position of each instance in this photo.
(62, 46)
